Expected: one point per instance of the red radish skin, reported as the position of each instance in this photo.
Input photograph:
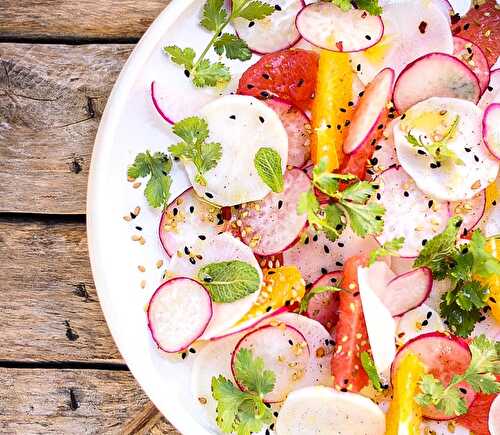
(178, 314)
(157, 105)
(474, 57)
(298, 127)
(324, 307)
(326, 26)
(435, 75)
(284, 350)
(443, 355)
(492, 93)
(471, 210)
(491, 129)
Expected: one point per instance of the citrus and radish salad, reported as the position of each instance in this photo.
(334, 267)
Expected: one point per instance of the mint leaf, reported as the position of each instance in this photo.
(304, 303)
(251, 10)
(184, 57)
(229, 281)
(370, 369)
(234, 47)
(210, 74)
(269, 167)
(214, 15)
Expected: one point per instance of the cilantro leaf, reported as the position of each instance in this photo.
(389, 248)
(345, 5)
(267, 161)
(229, 399)
(485, 264)
(184, 57)
(210, 74)
(460, 321)
(304, 303)
(191, 130)
(333, 223)
(158, 166)
(365, 219)
(251, 10)
(234, 47)
(214, 15)
(359, 192)
(433, 392)
(251, 374)
(370, 6)
(370, 369)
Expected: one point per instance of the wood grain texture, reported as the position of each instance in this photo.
(51, 100)
(36, 401)
(81, 20)
(48, 303)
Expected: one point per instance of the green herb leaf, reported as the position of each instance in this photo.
(485, 264)
(365, 219)
(184, 57)
(345, 5)
(158, 166)
(251, 10)
(234, 47)
(268, 164)
(229, 281)
(304, 303)
(389, 248)
(370, 369)
(210, 74)
(214, 15)
(370, 6)
(251, 374)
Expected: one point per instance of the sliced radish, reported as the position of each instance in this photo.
(492, 93)
(298, 127)
(443, 428)
(222, 247)
(242, 125)
(443, 356)
(157, 105)
(491, 225)
(322, 410)
(384, 155)
(272, 225)
(407, 291)
(327, 26)
(435, 75)
(315, 255)
(380, 325)
(409, 212)
(405, 38)
(186, 219)
(491, 128)
(488, 326)
(178, 314)
(285, 352)
(368, 113)
(494, 417)
(420, 320)
(472, 55)
(273, 33)
(452, 180)
(323, 307)
(471, 210)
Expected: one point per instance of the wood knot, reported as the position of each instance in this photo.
(70, 333)
(73, 403)
(81, 290)
(75, 165)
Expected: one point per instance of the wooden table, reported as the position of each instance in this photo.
(60, 371)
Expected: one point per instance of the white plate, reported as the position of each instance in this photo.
(130, 125)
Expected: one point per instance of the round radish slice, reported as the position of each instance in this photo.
(408, 212)
(435, 75)
(327, 26)
(222, 247)
(471, 210)
(443, 428)
(367, 116)
(471, 167)
(272, 225)
(492, 93)
(411, 29)
(188, 218)
(418, 321)
(242, 125)
(178, 313)
(273, 33)
(491, 129)
(494, 417)
(315, 255)
(298, 127)
(157, 104)
(322, 410)
(472, 55)
(284, 351)
(384, 155)
(323, 307)
(443, 356)
(488, 326)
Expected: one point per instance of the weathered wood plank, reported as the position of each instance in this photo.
(48, 303)
(84, 19)
(51, 100)
(36, 401)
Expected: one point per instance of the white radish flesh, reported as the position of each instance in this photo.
(435, 75)
(494, 417)
(409, 212)
(322, 410)
(472, 55)
(384, 155)
(323, 307)
(178, 313)
(491, 129)
(452, 180)
(242, 125)
(492, 93)
(418, 321)
(272, 225)
(471, 210)
(285, 352)
(222, 247)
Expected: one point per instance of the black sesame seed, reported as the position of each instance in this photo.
(191, 209)
(277, 7)
(482, 319)
(424, 242)
(306, 240)
(347, 123)
(300, 83)
(468, 150)
(350, 103)
(315, 238)
(421, 152)
(261, 119)
(184, 355)
(138, 228)
(333, 280)
(378, 147)
(264, 94)
(476, 158)
(374, 161)
(280, 204)
(368, 37)
(403, 116)
(324, 271)
(379, 196)
(344, 390)
(186, 250)
(232, 117)
(463, 390)
(251, 24)
(339, 126)
(249, 86)
(290, 342)
(343, 110)
(430, 203)
(268, 309)
(358, 67)
(187, 73)
(429, 314)
(339, 264)
(341, 245)
(361, 93)
(192, 350)
(355, 294)
(490, 88)
(406, 194)
(132, 215)
(271, 426)
(380, 126)
(422, 27)
(346, 381)
(466, 26)
(209, 195)
(275, 413)
(192, 261)
(338, 227)
(425, 322)
(433, 166)
(492, 299)
(494, 203)
(326, 249)
(202, 237)
(266, 76)
(175, 211)
(378, 218)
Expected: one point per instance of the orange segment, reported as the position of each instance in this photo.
(331, 107)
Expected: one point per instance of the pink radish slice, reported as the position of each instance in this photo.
(445, 7)
(418, 321)
(435, 75)
(494, 417)
(491, 129)
(323, 307)
(298, 126)
(285, 352)
(471, 210)
(407, 291)
(409, 212)
(369, 110)
(186, 219)
(444, 356)
(272, 225)
(327, 26)
(157, 105)
(273, 33)
(492, 93)
(472, 55)
(384, 155)
(178, 313)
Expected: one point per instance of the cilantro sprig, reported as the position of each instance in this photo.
(157, 166)
(244, 412)
(388, 249)
(371, 6)
(349, 206)
(215, 19)
(480, 375)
